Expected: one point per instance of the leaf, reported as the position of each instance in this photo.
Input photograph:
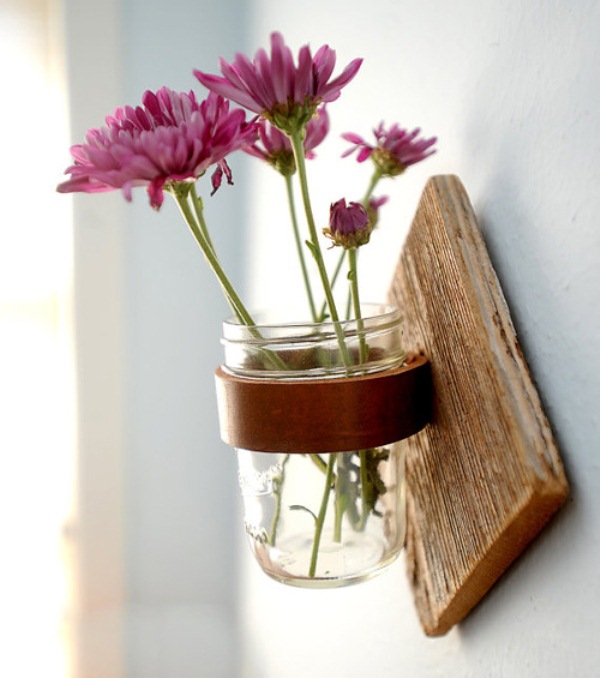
(312, 248)
(375, 485)
(347, 487)
(299, 507)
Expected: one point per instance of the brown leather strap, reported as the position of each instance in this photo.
(324, 415)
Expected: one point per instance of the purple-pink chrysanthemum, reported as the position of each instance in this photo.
(394, 150)
(349, 224)
(170, 138)
(274, 146)
(284, 93)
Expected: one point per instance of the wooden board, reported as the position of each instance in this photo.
(485, 476)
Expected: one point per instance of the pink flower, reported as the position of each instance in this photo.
(394, 151)
(171, 138)
(349, 225)
(277, 149)
(285, 94)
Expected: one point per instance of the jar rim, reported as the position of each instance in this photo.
(375, 317)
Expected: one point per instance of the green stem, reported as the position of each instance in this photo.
(334, 278)
(195, 220)
(298, 146)
(349, 304)
(353, 276)
(364, 481)
(232, 296)
(376, 176)
(300, 248)
(318, 462)
(321, 517)
(199, 212)
(339, 514)
(363, 356)
(374, 181)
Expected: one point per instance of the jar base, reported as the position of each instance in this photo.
(325, 582)
(339, 564)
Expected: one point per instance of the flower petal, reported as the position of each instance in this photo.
(285, 94)
(331, 91)
(171, 138)
(224, 88)
(323, 64)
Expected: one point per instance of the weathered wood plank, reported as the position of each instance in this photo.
(485, 476)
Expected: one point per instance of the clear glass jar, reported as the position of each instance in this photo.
(320, 519)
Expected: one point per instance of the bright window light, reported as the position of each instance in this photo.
(37, 402)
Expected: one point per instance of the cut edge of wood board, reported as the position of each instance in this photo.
(506, 548)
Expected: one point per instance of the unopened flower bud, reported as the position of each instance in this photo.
(349, 225)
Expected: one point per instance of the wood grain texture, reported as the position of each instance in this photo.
(485, 476)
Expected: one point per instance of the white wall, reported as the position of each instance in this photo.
(511, 91)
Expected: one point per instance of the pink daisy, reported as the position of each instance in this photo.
(394, 150)
(286, 94)
(170, 138)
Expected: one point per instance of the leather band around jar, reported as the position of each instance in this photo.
(324, 415)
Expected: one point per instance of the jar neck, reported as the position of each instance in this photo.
(312, 350)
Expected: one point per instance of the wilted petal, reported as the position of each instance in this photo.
(216, 179)
(217, 176)
(155, 191)
(126, 191)
(226, 171)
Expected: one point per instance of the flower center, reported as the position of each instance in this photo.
(283, 161)
(387, 163)
(291, 117)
